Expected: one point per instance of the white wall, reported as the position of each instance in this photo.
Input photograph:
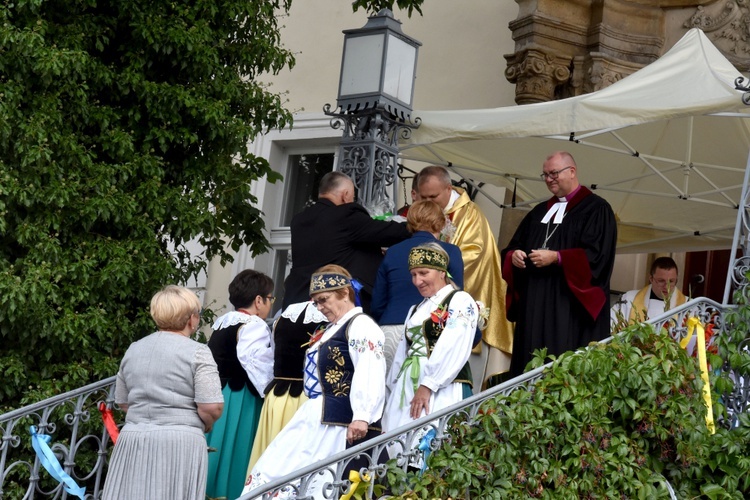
(460, 64)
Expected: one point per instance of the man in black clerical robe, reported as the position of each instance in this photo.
(558, 265)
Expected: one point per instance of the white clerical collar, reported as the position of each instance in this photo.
(557, 211)
(455, 195)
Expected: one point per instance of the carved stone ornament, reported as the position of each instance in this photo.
(536, 75)
(727, 24)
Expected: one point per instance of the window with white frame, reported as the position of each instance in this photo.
(304, 169)
(302, 155)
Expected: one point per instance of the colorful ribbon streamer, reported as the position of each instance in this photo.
(357, 290)
(424, 447)
(355, 479)
(411, 364)
(109, 422)
(696, 328)
(40, 443)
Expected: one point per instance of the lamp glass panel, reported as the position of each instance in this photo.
(399, 69)
(363, 60)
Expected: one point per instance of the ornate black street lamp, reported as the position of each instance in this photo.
(374, 107)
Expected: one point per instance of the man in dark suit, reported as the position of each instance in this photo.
(335, 230)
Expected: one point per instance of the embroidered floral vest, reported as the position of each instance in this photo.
(432, 331)
(335, 373)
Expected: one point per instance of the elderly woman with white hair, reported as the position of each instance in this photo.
(344, 379)
(169, 387)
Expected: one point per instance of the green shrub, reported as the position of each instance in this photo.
(613, 421)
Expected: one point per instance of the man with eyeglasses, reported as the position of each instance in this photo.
(659, 296)
(558, 265)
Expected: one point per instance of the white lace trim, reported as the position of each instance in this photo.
(233, 318)
(312, 315)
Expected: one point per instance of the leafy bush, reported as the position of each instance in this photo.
(616, 420)
(123, 136)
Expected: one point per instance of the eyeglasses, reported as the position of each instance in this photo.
(321, 301)
(271, 298)
(553, 174)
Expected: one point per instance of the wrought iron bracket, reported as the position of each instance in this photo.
(738, 85)
(369, 152)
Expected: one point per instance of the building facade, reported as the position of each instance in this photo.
(474, 54)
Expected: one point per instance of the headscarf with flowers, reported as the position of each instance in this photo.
(427, 257)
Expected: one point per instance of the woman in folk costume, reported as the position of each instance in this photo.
(284, 395)
(394, 292)
(241, 346)
(431, 370)
(344, 381)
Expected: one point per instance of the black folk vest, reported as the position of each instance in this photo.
(223, 345)
(335, 373)
(289, 338)
(432, 331)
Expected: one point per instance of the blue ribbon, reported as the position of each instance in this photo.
(49, 461)
(357, 287)
(424, 447)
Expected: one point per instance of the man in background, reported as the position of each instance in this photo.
(659, 296)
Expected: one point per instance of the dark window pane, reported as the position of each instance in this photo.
(282, 265)
(302, 180)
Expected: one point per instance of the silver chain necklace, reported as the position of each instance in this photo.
(548, 235)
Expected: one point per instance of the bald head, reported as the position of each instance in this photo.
(560, 173)
(337, 188)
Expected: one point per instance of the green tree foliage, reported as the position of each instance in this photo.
(123, 135)
(614, 421)
(374, 6)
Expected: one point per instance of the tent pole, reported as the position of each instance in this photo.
(739, 232)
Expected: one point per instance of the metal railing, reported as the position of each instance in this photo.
(79, 440)
(403, 443)
(82, 444)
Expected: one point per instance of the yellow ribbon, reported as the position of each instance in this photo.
(355, 479)
(695, 327)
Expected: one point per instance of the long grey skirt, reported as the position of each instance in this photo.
(158, 462)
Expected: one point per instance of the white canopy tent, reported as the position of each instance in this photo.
(667, 146)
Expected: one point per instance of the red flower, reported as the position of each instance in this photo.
(315, 336)
(439, 316)
(710, 333)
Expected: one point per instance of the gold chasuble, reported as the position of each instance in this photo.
(639, 311)
(483, 278)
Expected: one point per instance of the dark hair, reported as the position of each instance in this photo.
(247, 285)
(665, 263)
(332, 182)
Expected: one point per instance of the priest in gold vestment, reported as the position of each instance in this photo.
(471, 232)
